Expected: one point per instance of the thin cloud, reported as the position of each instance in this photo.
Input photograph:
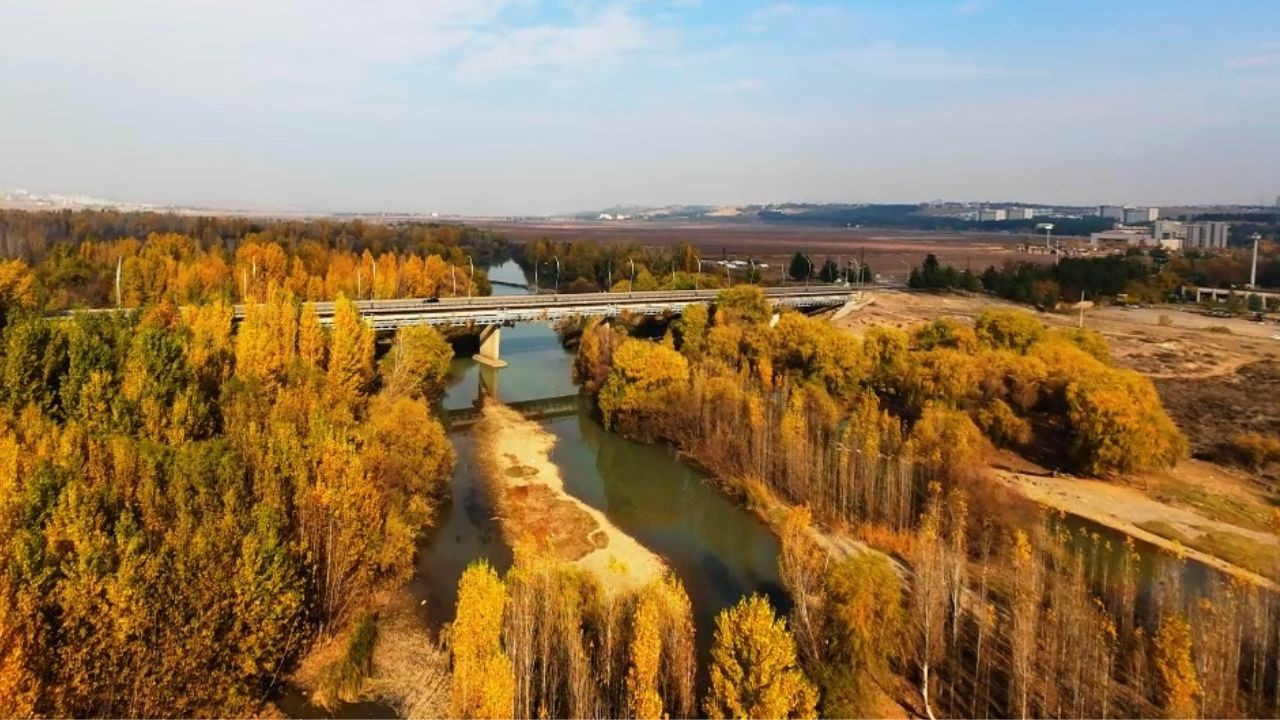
(1267, 56)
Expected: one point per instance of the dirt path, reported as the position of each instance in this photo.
(515, 456)
(1127, 510)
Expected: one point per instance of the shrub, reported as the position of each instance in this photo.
(1011, 329)
(1118, 424)
(1253, 450)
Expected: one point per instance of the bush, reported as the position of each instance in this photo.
(1118, 424)
(1011, 329)
(1253, 450)
(1003, 426)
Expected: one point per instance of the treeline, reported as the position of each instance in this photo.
(999, 613)
(1152, 276)
(549, 641)
(75, 258)
(587, 266)
(184, 510)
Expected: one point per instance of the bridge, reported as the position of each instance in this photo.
(494, 311)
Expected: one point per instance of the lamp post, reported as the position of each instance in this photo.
(808, 263)
(470, 278)
(1048, 229)
(609, 286)
(632, 287)
(557, 259)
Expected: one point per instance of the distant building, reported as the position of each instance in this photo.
(1206, 235)
(988, 215)
(1020, 213)
(1168, 234)
(1140, 215)
(1127, 236)
(1111, 212)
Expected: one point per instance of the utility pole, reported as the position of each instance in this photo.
(453, 275)
(119, 266)
(632, 287)
(610, 281)
(1081, 308)
(470, 278)
(557, 257)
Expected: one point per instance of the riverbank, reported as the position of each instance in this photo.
(1178, 531)
(514, 455)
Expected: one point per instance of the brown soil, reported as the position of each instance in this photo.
(551, 522)
(1211, 410)
(889, 252)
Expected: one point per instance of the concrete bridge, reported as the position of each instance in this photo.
(492, 312)
(1220, 294)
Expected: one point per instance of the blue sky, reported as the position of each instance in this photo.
(528, 106)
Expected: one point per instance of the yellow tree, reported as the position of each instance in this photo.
(754, 672)
(1179, 687)
(483, 682)
(643, 699)
(350, 353)
(312, 342)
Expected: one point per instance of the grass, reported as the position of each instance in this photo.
(1252, 514)
(1252, 555)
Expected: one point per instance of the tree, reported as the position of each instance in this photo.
(350, 353)
(643, 700)
(1011, 329)
(483, 683)
(754, 672)
(642, 377)
(1179, 687)
(829, 272)
(801, 266)
(865, 620)
(418, 363)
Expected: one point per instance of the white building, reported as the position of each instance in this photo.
(989, 215)
(1132, 237)
(1168, 234)
(1206, 235)
(1020, 213)
(1111, 212)
(1139, 215)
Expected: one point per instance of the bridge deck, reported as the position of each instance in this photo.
(507, 309)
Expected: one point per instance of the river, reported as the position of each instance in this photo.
(717, 549)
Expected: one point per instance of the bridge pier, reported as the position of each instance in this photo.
(488, 385)
(490, 338)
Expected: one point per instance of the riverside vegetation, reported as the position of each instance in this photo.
(981, 605)
(187, 512)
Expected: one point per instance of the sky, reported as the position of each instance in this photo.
(520, 107)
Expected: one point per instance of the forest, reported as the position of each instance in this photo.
(186, 509)
(75, 257)
(972, 603)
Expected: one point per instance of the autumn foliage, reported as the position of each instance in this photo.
(184, 509)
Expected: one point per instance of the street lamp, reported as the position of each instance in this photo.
(470, 278)
(1048, 228)
(610, 281)
(632, 287)
(557, 259)
(809, 263)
